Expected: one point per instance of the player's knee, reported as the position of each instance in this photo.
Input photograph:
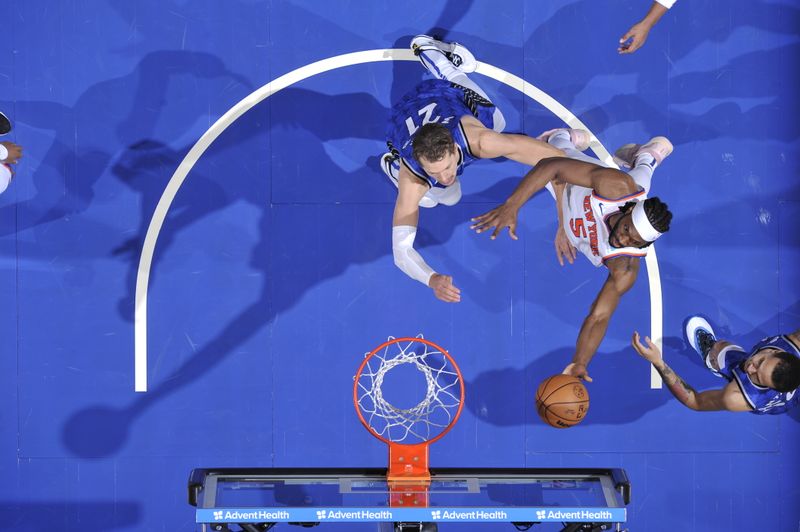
(718, 346)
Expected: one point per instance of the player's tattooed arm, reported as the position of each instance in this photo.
(728, 398)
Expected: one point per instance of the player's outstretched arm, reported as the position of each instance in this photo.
(607, 181)
(622, 273)
(404, 232)
(505, 216)
(488, 144)
(727, 398)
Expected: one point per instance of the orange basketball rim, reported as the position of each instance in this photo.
(409, 432)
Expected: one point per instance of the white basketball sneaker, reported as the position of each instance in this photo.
(701, 337)
(456, 53)
(658, 147)
(580, 138)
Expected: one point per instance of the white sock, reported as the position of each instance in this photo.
(642, 172)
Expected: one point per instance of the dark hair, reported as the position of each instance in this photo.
(432, 143)
(786, 375)
(657, 214)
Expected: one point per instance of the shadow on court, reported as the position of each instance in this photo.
(328, 257)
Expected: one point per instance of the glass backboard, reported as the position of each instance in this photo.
(236, 496)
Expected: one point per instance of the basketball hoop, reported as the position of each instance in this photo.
(408, 429)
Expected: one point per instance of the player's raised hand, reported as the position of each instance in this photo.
(634, 38)
(498, 218)
(444, 289)
(649, 352)
(577, 370)
(564, 248)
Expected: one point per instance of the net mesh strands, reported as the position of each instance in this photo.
(428, 418)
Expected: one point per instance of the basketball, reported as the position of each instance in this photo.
(562, 401)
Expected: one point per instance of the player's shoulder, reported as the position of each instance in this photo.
(473, 126)
(623, 271)
(733, 398)
(612, 184)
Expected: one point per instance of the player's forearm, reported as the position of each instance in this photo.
(654, 14)
(528, 150)
(593, 330)
(676, 385)
(406, 257)
(534, 181)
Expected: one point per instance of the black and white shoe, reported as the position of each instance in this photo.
(701, 337)
(5, 124)
(456, 53)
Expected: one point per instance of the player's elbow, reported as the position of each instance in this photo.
(399, 256)
(693, 405)
(552, 159)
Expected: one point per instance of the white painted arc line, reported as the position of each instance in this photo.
(325, 65)
(177, 179)
(656, 311)
(651, 261)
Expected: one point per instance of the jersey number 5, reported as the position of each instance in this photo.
(576, 224)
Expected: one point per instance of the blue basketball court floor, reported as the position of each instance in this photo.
(182, 291)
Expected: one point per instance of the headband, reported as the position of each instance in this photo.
(642, 224)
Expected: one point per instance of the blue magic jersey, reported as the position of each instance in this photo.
(762, 400)
(436, 101)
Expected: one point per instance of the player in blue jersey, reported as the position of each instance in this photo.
(764, 380)
(436, 131)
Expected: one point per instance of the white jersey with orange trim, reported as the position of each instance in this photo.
(585, 216)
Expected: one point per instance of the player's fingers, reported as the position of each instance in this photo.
(558, 256)
(512, 231)
(573, 252)
(587, 378)
(451, 289)
(483, 217)
(483, 224)
(637, 43)
(451, 295)
(635, 342)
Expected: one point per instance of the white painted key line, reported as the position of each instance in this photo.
(307, 71)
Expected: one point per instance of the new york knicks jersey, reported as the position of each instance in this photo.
(436, 101)
(585, 214)
(763, 400)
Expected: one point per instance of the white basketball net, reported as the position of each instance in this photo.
(432, 415)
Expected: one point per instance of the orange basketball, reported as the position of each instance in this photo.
(562, 401)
